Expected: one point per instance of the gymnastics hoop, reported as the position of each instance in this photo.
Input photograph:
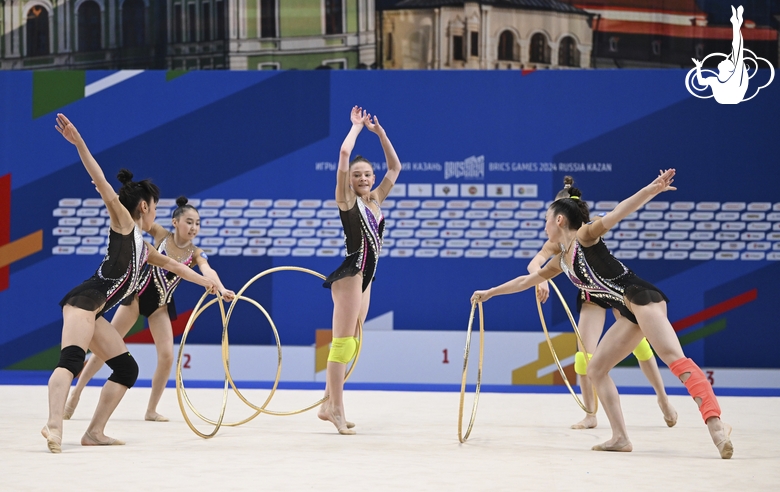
(226, 363)
(262, 409)
(229, 382)
(462, 437)
(181, 393)
(555, 355)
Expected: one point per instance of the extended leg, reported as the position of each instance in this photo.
(591, 324)
(618, 342)
(123, 321)
(652, 318)
(644, 354)
(108, 345)
(162, 332)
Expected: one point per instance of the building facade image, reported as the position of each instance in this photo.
(83, 34)
(485, 34)
(187, 34)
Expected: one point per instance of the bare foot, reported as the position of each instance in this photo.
(620, 446)
(53, 439)
(589, 422)
(670, 414)
(70, 407)
(154, 417)
(322, 414)
(92, 440)
(336, 420)
(721, 436)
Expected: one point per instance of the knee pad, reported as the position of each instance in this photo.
(125, 369)
(72, 358)
(580, 364)
(698, 387)
(343, 350)
(643, 351)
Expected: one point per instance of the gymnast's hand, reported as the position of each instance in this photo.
(662, 183)
(228, 295)
(373, 126)
(481, 295)
(67, 130)
(543, 292)
(357, 115)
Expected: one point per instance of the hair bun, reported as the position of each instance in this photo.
(181, 201)
(125, 176)
(568, 181)
(574, 192)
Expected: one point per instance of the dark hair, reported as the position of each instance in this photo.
(568, 181)
(360, 158)
(132, 193)
(574, 208)
(183, 207)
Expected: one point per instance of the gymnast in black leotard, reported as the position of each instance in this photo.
(119, 274)
(155, 302)
(587, 262)
(350, 284)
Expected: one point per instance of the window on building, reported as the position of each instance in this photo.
(221, 29)
(178, 27)
(457, 48)
(133, 23)
(333, 17)
(205, 24)
(89, 26)
(568, 54)
(192, 23)
(506, 46)
(540, 50)
(37, 31)
(613, 44)
(268, 19)
(474, 47)
(389, 46)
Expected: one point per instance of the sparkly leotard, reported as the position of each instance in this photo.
(363, 240)
(159, 287)
(603, 277)
(119, 275)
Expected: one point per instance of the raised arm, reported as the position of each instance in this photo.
(208, 272)
(162, 261)
(393, 163)
(121, 220)
(345, 197)
(589, 233)
(536, 264)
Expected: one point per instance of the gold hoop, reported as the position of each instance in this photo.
(226, 364)
(181, 393)
(318, 402)
(462, 437)
(555, 355)
(229, 382)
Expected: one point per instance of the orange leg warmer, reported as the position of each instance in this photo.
(697, 386)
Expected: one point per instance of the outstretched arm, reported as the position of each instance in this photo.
(589, 233)
(344, 196)
(393, 163)
(121, 220)
(536, 264)
(210, 273)
(185, 272)
(518, 284)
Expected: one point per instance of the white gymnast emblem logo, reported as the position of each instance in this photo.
(729, 85)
